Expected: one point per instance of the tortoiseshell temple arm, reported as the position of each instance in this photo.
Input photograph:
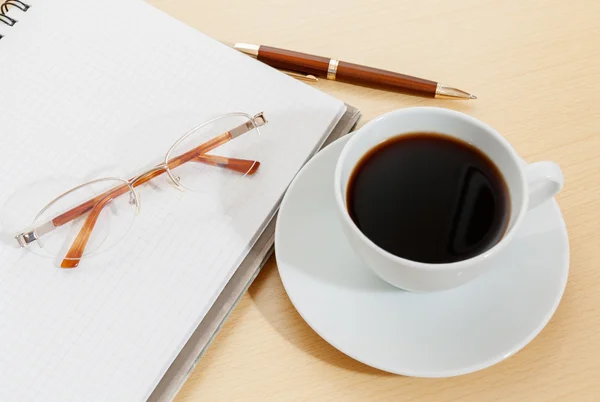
(208, 146)
(244, 166)
(97, 203)
(74, 254)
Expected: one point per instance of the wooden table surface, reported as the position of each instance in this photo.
(535, 66)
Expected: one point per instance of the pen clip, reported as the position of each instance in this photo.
(301, 77)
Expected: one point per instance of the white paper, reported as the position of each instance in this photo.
(89, 89)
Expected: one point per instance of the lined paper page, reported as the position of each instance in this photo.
(91, 89)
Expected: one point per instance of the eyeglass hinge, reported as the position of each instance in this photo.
(26, 238)
(259, 119)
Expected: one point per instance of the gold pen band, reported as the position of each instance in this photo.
(332, 69)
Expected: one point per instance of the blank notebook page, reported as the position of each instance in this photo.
(103, 88)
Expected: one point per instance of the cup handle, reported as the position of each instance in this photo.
(544, 181)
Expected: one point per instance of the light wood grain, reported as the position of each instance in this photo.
(535, 67)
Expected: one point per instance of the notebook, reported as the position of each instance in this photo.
(90, 88)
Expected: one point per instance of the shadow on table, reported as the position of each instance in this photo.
(270, 298)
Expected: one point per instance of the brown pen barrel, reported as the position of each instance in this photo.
(346, 72)
(293, 61)
(385, 80)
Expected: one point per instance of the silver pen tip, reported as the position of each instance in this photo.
(472, 96)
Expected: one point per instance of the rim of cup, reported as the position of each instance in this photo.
(508, 234)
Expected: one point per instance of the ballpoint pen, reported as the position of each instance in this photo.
(296, 64)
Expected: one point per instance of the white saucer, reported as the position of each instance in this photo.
(426, 335)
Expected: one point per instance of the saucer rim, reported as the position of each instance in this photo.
(423, 373)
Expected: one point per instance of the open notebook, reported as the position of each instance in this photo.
(97, 88)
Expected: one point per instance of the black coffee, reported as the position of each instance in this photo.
(429, 198)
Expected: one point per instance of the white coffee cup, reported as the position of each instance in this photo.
(528, 187)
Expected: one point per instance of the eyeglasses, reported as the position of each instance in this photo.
(107, 206)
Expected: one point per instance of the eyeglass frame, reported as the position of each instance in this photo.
(75, 254)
